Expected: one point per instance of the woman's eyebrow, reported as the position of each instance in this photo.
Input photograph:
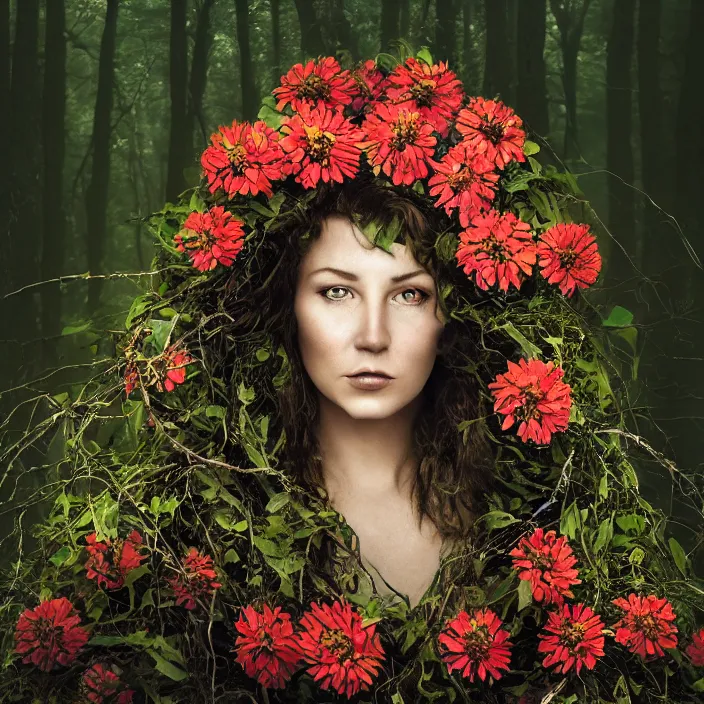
(354, 277)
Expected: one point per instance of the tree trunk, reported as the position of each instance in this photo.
(276, 39)
(390, 23)
(688, 137)
(344, 32)
(199, 75)
(445, 34)
(497, 72)
(405, 20)
(470, 58)
(531, 95)
(250, 97)
(4, 79)
(20, 189)
(650, 108)
(53, 121)
(619, 152)
(312, 44)
(570, 22)
(97, 191)
(179, 135)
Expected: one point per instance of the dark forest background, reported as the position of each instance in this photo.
(105, 106)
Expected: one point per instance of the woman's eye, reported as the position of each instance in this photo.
(423, 295)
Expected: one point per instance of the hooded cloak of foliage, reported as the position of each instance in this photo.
(192, 499)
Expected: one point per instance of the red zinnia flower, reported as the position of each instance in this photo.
(475, 645)
(494, 129)
(196, 581)
(243, 159)
(341, 653)
(321, 143)
(321, 81)
(103, 686)
(695, 650)
(569, 257)
(370, 84)
(268, 649)
(50, 633)
(463, 180)
(548, 562)
(646, 628)
(495, 248)
(532, 392)
(399, 142)
(173, 368)
(434, 91)
(573, 638)
(211, 237)
(111, 561)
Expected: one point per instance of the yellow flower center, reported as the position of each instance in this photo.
(477, 641)
(572, 633)
(337, 642)
(313, 88)
(423, 92)
(568, 258)
(320, 144)
(237, 155)
(405, 130)
(494, 131)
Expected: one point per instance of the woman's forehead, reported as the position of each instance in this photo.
(342, 244)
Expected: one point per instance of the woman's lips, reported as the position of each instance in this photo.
(369, 381)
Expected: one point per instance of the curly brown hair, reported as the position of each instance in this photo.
(455, 467)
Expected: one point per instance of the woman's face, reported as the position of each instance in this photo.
(360, 318)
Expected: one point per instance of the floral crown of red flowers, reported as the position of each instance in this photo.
(414, 127)
(411, 127)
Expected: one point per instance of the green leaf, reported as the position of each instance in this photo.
(530, 148)
(619, 317)
(632, 522)
(106, 640)
(60, 556)
(73, 329)
(604, 535)
(245, 393)
(698, 686)
(160, 332)
(268, 112)
(168, 668)
(276, 201)
(529, 349)
(262, 210)
(215, 412)
(278, 501)
(498, 519)
(525, 594)
(679, 555)
(267, 547)
(262, 354)
(138, 307)
(425, 55)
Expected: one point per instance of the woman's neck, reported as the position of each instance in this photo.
(363, 457)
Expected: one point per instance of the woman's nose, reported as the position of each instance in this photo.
(373, 325)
